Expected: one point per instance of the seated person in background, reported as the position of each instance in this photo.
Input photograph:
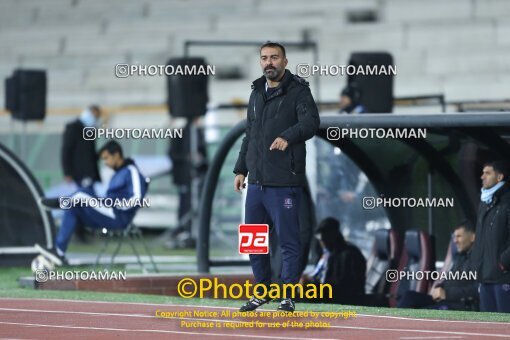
(450, 294)
(127, 184)
(342, 265)
(350, 100)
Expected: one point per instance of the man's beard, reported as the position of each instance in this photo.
(272, 73)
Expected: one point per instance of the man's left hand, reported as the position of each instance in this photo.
(279, 144)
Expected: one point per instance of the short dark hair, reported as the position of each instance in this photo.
(499, 166)
(112, 147)
(274, 45)
(467, 225)
(327, 224)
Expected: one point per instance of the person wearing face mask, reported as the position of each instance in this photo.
(491, 253)
(79, 156)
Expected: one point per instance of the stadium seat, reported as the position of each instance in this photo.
(385, 256)
(448, 261)
(417, 256)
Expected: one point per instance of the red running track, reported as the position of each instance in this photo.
(49, 319)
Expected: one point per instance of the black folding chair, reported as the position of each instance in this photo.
(132, 234)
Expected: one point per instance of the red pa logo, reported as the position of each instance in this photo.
(253, 239)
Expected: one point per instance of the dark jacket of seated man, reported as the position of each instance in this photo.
(461, 294)
(458, 294)
(342, 265)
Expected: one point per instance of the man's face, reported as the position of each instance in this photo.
(345, 101)
(272, 62)
(96, 112)
(463, 239)
(111, 160)
(490, 177)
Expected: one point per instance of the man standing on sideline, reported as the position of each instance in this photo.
(491, 251)
(281, 116)
(79, 157)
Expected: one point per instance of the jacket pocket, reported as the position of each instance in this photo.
(298, 153)
(279, 159)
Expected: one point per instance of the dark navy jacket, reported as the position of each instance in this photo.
(290, 113)
(491, 251)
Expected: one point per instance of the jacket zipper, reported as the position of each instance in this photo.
(494, 218)
(292, 162)
(263, 139)
(279, 104)
(262, 119)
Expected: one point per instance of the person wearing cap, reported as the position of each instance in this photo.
(342, 265)
(350, 100)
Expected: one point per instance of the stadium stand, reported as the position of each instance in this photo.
(437, 45)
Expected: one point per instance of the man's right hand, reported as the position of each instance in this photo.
(239, 183)
(438, 294)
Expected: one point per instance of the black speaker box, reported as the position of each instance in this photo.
(11, 102)
(25, 94)
(376, 90)
(187, 94)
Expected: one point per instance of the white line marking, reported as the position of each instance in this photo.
(80, 313)
(431, 320)
(149, 317)
(236, 321)
(258, 309)
(143, 330)
(149, 331)
(431, 337)
(423, 331)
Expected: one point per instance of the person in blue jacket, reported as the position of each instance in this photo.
(124, 196)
